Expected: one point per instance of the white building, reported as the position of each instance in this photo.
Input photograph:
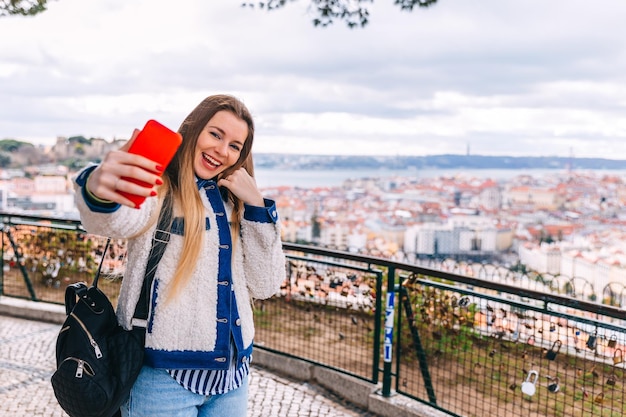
(44, 194)
(490, 198)
(460, 235)
(587, 269)
(545, 258)
(334, 235)
(357, 241)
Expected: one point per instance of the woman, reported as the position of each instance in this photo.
(224, 250)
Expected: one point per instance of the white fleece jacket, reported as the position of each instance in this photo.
(190, 323)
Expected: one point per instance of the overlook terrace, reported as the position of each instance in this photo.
(466, 339)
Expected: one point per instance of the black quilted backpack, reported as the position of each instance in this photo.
(97, 360)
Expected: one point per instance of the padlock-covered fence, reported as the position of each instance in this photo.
(463, 344)
(481, 350)
(41, 256)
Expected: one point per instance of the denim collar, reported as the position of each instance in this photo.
(206, 183)
(203, 183)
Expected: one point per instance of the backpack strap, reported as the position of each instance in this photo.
(78, 290)
(160, 239)
(104, 252)
(72, 293)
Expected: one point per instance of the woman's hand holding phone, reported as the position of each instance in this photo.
(129, 175)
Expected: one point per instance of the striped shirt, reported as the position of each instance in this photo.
(212, 382)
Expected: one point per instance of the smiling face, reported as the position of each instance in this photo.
(219, 144)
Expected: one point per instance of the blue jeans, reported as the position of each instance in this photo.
(157, 394)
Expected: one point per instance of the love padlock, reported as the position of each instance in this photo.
(454, 301)
(554, 385)
(618, 356)
(592, 342)
(478, 368)
(528, 386)
(464, 301)
(599, 398)
(612, 341)
(551, 354)
(611, 380)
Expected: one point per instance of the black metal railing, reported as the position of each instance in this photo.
(505, 350)
(41, 256)
(463, 344)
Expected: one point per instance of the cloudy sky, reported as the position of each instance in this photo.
(502, 77)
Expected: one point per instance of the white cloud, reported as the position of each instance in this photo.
(503, 76)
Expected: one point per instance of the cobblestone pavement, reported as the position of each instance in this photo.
(27, 362)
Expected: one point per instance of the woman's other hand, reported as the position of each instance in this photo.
(243, 186)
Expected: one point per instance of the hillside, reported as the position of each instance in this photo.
(77, 151)
(285, 161)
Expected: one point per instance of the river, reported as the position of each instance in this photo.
(329, 178)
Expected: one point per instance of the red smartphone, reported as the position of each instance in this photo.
(157, 143)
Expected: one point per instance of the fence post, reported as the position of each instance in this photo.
(20, 263)
(389, 325)
(377, 327)
(2, 263)
(417, 343)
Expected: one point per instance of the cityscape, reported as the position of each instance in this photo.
(568, 222)
(564, 225)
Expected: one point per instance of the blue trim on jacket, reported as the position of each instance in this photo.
(178, 226)
(187, 359)
(93, 205)
(228, 319)
(267, 214)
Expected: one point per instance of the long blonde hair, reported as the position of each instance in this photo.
(179, 179)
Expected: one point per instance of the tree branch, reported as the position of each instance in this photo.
(354, 13)
(22, 7)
